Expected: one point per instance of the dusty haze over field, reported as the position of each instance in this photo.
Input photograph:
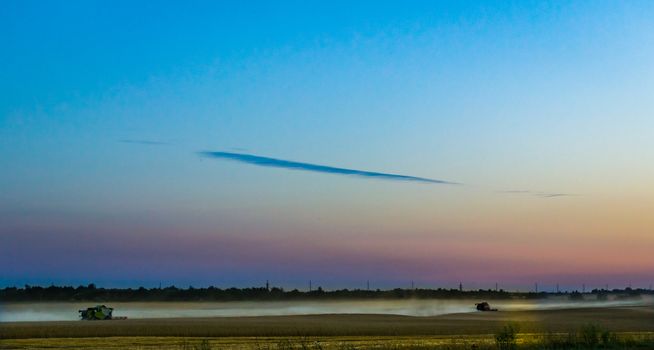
(61, 311)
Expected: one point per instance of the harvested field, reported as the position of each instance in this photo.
(331, 331)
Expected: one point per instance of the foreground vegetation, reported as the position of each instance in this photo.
(588, 337)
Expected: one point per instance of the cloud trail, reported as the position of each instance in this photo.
(287, 164)
(552, 195)
(538, 193)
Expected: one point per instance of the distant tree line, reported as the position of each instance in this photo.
(172, 293)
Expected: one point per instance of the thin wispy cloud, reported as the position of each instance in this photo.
(144, 142)
(538, 193)
(552, 195)
(292, 165)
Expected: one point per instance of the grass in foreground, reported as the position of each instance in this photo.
(588, 337)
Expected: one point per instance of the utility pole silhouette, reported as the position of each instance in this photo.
(557, 289)
(536, 287)
(267, 286)
(309, 285)
(583, 288)
(460, 287)
(496, 286)
(368, 285)
(412, 285)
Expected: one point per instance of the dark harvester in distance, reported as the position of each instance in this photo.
(484, 306)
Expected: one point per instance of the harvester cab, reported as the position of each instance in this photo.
(99, 312)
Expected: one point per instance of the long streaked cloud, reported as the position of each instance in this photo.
(292, 165)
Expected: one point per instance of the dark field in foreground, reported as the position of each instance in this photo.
(331, 331)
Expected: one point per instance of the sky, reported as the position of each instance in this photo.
(228, 143)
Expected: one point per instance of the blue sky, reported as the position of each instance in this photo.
(512, 99)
